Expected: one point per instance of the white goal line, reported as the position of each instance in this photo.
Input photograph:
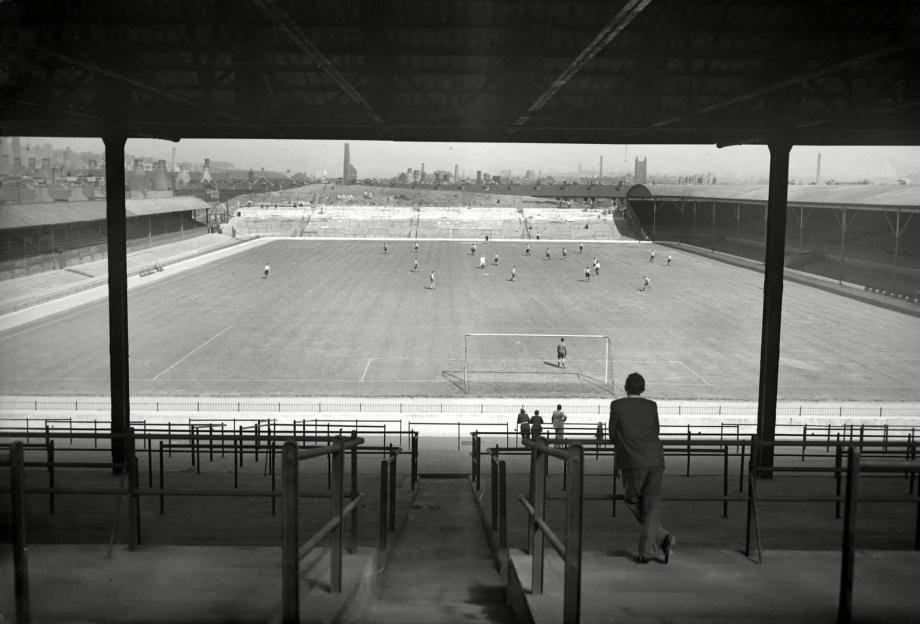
(547, 335)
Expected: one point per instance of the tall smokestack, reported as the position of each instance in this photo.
(818, 175)
(456, 172)
(138, 178)
(600, 176)
(160, 179)
(16, 154)
(347, 165)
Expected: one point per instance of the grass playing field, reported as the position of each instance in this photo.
(343, 318)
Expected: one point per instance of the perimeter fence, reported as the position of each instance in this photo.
(583, 408)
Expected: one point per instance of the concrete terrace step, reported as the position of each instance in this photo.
(440, 612)
(724, 586)
(441, 569)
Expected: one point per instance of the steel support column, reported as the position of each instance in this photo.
(843, 241)
(772, 297)
(118, 293)
(738, 220)
(693, 224)
(897, 238)
(712, 231)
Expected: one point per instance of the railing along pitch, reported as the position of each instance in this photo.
(292, 552)
(570, 551)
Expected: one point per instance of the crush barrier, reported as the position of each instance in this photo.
(855, 467)
(195, 440)
(292, 551)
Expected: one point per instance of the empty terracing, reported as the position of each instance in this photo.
(433, 222)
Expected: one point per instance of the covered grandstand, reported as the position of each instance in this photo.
(716, 72)
(863, 234)
(45, 236)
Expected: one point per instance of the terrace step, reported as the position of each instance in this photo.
(441, 569)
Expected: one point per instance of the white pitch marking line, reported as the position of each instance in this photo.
(366, 367)
(189, 354)
(692, 372)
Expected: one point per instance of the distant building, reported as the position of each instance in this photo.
(641, 169)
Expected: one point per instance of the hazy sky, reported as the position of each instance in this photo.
(386, 158)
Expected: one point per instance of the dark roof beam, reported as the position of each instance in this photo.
(297, 36)
(614, 27)
(796, 80)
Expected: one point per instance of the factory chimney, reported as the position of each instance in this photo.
(160, 178)
(346, 167)
(818, 175)
(600, 176)
(16, 154)
(138, 178)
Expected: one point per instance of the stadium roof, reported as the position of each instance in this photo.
(893, 196)
(823, 72)
(58, 213)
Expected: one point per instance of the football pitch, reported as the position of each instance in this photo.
(343, 318)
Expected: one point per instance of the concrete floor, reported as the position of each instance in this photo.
(725, 586)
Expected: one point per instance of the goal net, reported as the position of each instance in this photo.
(532, 358)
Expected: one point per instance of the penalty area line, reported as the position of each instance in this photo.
(190, 353)
(366, 368)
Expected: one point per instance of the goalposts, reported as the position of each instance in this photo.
(531, 358)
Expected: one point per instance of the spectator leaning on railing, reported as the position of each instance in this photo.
(523, 423)
(536, 425)
(639, 454)
(558, 420)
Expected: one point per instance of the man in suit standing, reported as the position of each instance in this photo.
(634, 432)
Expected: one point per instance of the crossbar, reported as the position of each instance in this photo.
(328, 450)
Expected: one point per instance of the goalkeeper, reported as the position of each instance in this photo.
(561, 353)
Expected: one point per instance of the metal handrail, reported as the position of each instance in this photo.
(292, 552)
(570, 550)
(387, 520)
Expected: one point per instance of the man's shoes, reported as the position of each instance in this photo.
(667, 545)
(643, 559)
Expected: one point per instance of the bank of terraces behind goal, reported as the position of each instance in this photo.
(526, 359)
